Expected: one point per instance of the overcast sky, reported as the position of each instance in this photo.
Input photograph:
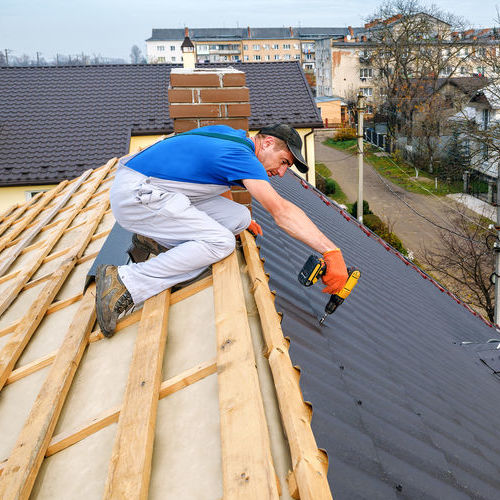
(111, 27)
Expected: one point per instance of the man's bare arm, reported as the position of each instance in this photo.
(288, 216)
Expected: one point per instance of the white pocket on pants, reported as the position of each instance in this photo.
(171, 204)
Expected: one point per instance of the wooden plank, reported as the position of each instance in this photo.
(247, 468)
(21, 226)
(11, 219)
(15, 251)
(32, 367)
(130, 465)
(170, 386)
(31, 268)
(24, 462)
(14, 347)
(310, 465)
(43, 361)
(191, 290)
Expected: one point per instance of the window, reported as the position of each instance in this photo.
(256, 47)
(486, 118)
(369, 109)
(366, 73)
(296, 46)
(172, 48)
(30, 194)
(309, 57)
(297, 56)
(484, 151)
(173, 58)
(256, 58)
(160, 48)
(246, 58)
(276, 57)
(268, 57)
(245, 47)
(265, 46)
(160, 60)
(287, 57)
(276, 46)
(286, 46)
(367, 91)
(463, 71)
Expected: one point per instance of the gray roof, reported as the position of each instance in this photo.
(200, 34)
(57, 122)
(403, 409)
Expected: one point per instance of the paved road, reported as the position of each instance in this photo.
(414, 231)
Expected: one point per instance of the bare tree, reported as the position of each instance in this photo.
(415, 49)
(136, 55)
(464, 262)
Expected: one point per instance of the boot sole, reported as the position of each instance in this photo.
(102, 318)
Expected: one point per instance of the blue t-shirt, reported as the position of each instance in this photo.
(201, 159)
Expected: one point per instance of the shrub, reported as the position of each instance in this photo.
(345, 134)
(330, 187)
(374, 222)
(320, 182)
(380, 228)
(366, 208)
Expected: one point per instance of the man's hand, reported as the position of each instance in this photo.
(254, 228)
(336, 272)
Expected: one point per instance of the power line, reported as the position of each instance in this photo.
(450, 207)
(423, 216)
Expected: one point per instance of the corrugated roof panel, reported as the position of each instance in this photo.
(398, 403)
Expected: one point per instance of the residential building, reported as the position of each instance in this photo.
(53, 115)
(249, 44)
(346, 67)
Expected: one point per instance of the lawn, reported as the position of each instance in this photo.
(398, 172)
(339, 195)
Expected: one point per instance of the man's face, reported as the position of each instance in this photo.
(275, 161)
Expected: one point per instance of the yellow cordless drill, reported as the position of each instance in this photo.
(314, 268)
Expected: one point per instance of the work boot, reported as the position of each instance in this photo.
(112, 298)
(142, 246)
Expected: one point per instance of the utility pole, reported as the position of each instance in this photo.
(496, 248)
(38, 54)
(360, 111)
(7, 56)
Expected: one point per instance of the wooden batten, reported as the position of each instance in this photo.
(247, 467)
(309, 463)
(22, 225)
(130, 465)
(12, 350)
(24, 462)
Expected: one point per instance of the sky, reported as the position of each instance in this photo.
(111, 27)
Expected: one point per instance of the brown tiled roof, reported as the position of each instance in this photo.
(56, 122)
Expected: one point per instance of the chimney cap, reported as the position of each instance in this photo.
(187, 44)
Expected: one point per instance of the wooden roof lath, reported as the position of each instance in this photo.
(86, 416)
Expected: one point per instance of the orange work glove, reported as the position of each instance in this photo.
(254, 228)
(336, 273)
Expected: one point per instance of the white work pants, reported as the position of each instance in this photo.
(192, 220)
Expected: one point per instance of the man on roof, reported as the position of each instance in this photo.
(168, 196)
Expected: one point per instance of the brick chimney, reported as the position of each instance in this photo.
(200, 97)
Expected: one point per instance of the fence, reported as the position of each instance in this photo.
(380, 140)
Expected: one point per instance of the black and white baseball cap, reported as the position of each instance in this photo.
(293, 141)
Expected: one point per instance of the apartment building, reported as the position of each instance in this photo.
(345, 67)
(214, 45)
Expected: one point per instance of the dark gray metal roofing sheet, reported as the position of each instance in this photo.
(242, 33)
(401, 407)
(57, 122)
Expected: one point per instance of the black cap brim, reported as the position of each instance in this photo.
(299, 162)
